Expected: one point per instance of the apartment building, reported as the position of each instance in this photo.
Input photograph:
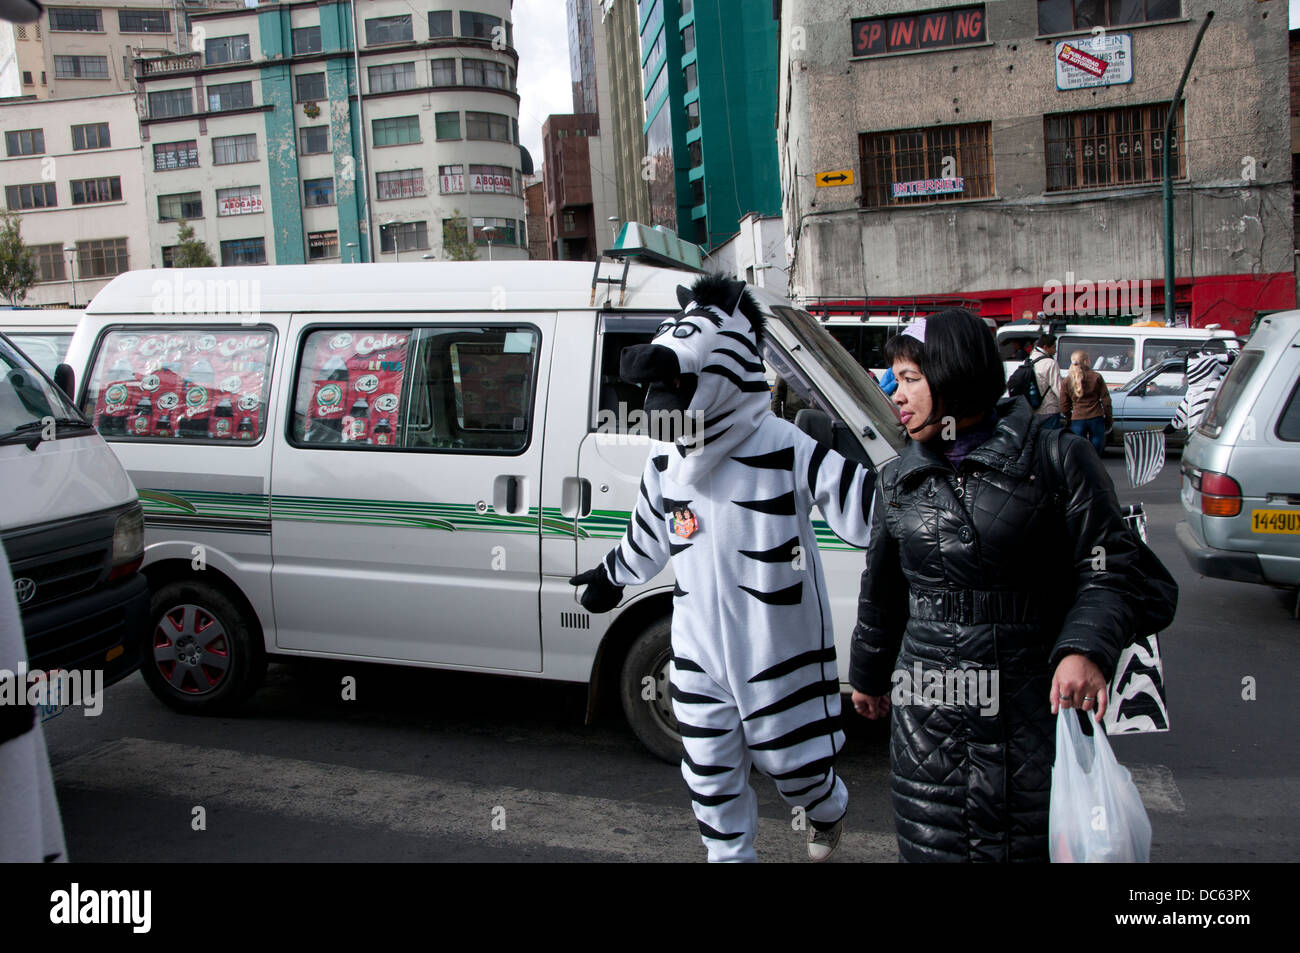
(1008, 150)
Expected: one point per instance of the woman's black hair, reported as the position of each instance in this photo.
(960, 362)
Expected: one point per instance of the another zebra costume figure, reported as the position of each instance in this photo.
(754, 679)
(1204, 374)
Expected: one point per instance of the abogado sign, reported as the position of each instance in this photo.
(1088, 61)
(240, 204)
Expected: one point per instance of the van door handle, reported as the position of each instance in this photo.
(575, 498)
(510, 494)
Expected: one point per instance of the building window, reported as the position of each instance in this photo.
(504, 231)
(404, 236)
(569, 221)
(81, 67)
(403, 184)
(483, 26)
(692, 114)
(443, 72)
(313, 140)
(227, 150)
(96, 191)
(653, 61)
(65, 20)
(875, 36)
(307, 40)
(1110, 147)
(492, 178)
(175, 155)
(389, 30)
(451, 179)
(447, 125)
(241, 200)
(170, 102)
(25, 142)
(908, 166)
(653, 21)
(485, 73)
(144, 21)
(183, 205)
(395, 76)
(1064, 16)
(230, 96)
(688, 38)
(439, 23)
(93, 135)
(309, 87)
(687, 7)
(487, 126)
(169, 255)
(226, 49)
(697, 191)
(101, 258)
(244, 251)
(27, 78)
(692, 77)
(695, 153)
(318, 192)
(657, 90)
(398, 131)
(322, 245)
(49, 262)
(37, 195)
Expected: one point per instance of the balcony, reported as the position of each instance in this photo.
(172, 63)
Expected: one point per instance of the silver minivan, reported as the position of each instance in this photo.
(1241, 468)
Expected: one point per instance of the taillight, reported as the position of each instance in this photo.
(1220, 494)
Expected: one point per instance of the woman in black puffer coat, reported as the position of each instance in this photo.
(984, 556)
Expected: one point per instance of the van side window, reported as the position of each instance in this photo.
(193, 383)
(616, 399)
(432, 388)
(1106, 353)
(1156, 351)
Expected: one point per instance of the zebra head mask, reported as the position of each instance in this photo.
(703, 369)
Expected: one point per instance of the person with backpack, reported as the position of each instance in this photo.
(1001, 584)
(1038, 380)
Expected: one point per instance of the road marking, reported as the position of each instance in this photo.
(1155, 783)
(408, 803)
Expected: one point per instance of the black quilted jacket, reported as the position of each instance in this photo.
(994, 566)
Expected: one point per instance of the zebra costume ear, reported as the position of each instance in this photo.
(684, 295)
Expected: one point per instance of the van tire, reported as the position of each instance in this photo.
(652, 721)
(181, 614)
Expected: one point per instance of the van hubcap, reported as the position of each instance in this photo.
(191, 650)
(662, 706)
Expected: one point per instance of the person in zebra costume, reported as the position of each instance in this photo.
(753, 679)
(1205, 372)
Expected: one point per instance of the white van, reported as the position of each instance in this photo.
(1117, 352)
(72, 529)
(43, 334)
(405, 463)
(864, 337)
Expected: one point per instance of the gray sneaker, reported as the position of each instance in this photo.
(821, 844)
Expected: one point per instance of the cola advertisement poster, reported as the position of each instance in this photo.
(357, 385)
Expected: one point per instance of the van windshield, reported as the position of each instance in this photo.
(29, 401)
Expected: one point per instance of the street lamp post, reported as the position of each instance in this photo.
(489, 231)
(613, 226)
(71, 252)
(352, 255)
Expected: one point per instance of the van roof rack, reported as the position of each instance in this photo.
(653, 246)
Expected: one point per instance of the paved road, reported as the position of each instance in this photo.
(448, 767)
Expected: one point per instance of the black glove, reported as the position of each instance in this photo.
(601, 595)
(1169, 428)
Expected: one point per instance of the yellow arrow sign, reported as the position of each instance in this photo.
(835, 177)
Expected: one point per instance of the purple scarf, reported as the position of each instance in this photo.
(968, 439)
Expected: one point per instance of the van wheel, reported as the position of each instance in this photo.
(646, 666)
(204, 655)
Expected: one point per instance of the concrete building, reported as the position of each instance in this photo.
(756, 253)
(1003, 152)
(627, 109)
(578, 151)
(260, 141)
(71, 169)
(535, 204)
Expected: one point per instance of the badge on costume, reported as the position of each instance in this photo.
(685, 523)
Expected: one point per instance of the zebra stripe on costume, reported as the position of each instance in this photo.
(1204, 374)
(754, 679)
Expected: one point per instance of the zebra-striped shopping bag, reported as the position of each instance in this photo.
(1144, 456)
(1137, 692)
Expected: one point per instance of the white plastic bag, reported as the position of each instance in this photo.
(1096, 813)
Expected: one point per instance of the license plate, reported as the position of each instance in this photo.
(1275, 521)
(49, 711)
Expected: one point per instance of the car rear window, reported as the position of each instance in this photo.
(192, 383)
(1229, 392)
(1288, 424)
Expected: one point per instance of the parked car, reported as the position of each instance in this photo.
(1148, 400)
(43, 334)
(385, 464)
(1241, 467)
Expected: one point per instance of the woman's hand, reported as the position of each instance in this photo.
(1081, 683)
(870, 706)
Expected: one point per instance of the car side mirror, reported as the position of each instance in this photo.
(66, 379)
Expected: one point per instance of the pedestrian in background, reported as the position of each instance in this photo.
(1085, 401)
(982, 560)
(1049, 381)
